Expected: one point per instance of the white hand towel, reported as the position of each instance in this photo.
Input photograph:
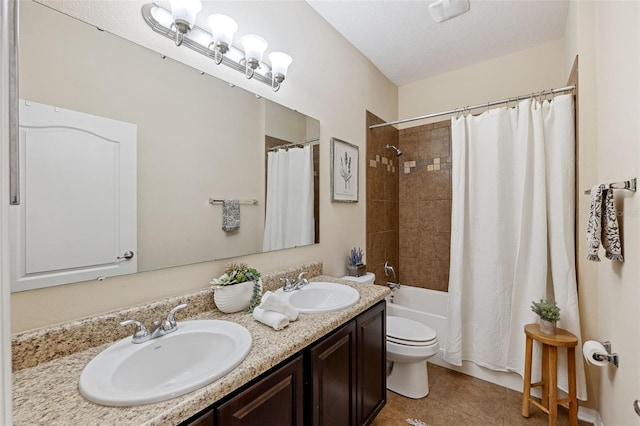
(271, 318)
(272, 302)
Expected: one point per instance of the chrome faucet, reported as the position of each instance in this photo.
(388, 270)
(392, 285)
(168, 325)
(300, 282)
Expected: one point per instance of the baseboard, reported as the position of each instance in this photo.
(590, 416)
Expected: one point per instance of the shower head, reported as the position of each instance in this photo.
(398, 152)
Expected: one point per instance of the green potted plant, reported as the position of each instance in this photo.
(549, 314)
(355, 265)
(239, 288)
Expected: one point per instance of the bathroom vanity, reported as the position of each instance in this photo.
(324, 368)
(337, 380)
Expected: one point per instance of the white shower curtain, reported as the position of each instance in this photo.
(289, 214)
(512, 233)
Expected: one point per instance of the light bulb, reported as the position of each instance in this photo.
(185, 10)
(279, 63)
(254, 47)
(222, 29)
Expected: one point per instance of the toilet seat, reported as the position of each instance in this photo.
(404, 331)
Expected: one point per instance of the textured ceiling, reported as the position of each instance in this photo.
(406, 45)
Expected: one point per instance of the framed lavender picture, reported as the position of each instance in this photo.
(344, 171)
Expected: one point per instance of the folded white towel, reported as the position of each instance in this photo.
(271, 302)
(271, 318)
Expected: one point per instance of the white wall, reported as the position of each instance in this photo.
(329, 80)
(526, 71)
(606, 37)
(286, 124)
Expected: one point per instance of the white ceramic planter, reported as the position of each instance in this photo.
(234, 298)
(547, 327)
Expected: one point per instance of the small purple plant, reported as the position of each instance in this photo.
(355, 256)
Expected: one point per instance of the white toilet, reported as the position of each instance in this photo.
(409, 344)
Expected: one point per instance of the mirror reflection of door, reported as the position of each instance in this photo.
(78, 190)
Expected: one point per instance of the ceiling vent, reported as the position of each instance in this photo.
(443, 10)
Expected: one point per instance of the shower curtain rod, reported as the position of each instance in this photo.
(289, 145)
(484, 105)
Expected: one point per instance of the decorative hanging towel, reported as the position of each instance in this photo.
(230, 215)
(608, 232)
(593, 226)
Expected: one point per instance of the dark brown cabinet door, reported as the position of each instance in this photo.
(372, 377)
(333, 379)
(275, 400)
(204, 420)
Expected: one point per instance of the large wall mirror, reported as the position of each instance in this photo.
(198, 141)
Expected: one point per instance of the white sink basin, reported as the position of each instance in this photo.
(319, 297)
(196, 354)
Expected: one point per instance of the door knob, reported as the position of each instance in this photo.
(127, 255)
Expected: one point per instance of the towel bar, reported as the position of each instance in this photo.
(216, 201)
(629, 185)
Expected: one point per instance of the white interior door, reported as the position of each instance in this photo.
(78, 197)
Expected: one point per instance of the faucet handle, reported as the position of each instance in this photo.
(170, 322)
(301, 281)
(287, 284)
(141, 334)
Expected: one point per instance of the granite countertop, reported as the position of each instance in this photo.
(47, 393)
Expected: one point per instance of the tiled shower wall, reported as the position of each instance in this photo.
(409, 203)
(424, 202)
(382, 199)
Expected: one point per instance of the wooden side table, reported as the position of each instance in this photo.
(549, 381)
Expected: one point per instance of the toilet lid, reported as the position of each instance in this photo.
(409, 331)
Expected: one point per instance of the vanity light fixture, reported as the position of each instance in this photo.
(184, 16)
(179, 25)
(280, 63)
(254, 47)
(222, 30)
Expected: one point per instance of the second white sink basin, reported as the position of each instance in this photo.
(320, 297)
(196, 354)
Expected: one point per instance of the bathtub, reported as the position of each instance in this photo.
(430, 308)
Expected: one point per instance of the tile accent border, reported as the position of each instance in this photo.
(432, 165)
(384, 163)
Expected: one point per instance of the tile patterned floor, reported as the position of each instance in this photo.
(461, 400)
